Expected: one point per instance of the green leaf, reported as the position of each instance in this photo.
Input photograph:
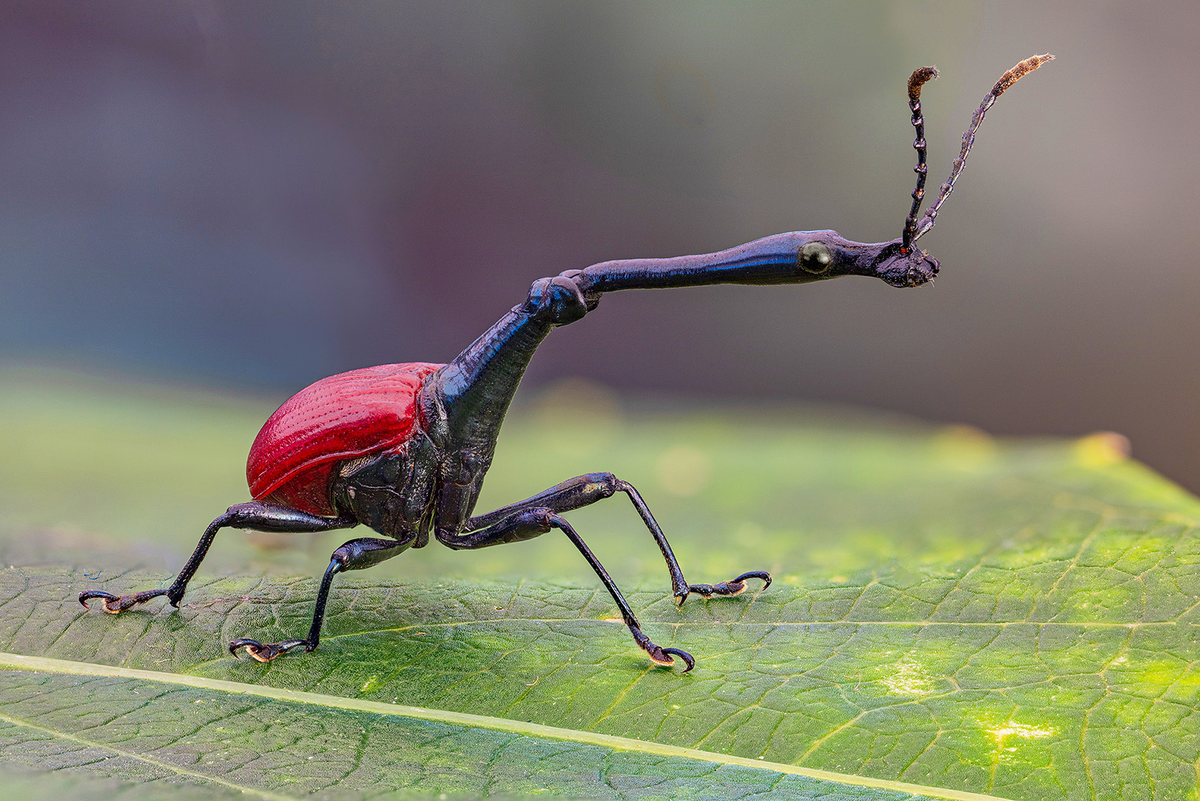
(962, 615)
(284, 744)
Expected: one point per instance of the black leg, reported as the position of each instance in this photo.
(353, 555)
(254, 515)
(525, 524)
(583, 491)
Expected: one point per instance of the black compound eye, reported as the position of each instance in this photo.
(814, 258)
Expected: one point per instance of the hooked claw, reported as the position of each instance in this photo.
(658, 654)
(116, 604)
(732, 587)
(265, 653)
(662, 656)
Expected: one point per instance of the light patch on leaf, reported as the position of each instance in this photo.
(908, 678)
(1158, 676)
(1008, 736)
(1022, 730)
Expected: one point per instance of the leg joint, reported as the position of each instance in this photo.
(605, 485)
(557, 301)
(365, 552)
(545, 519)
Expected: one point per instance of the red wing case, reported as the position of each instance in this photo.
(341, 417)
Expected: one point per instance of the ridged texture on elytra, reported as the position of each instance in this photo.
(337, 418)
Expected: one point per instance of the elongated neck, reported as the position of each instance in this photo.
(796, 257)
(477, 387)
(770, 260)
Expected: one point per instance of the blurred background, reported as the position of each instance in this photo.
(250, 197)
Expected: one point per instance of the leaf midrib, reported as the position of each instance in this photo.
(75, 668)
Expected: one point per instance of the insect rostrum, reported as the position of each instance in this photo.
(403, 448)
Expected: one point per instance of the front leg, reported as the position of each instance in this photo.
(575, 493)
(526, 524)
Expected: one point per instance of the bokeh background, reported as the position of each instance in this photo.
(253, 196)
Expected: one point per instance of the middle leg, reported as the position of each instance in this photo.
(353, 555)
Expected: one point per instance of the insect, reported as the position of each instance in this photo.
(403, 448)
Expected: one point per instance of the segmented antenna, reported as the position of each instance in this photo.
(1006, 80)
(919, 78)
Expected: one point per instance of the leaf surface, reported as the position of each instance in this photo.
(273, 745)
(961, 615)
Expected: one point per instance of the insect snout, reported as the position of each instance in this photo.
(908, 271)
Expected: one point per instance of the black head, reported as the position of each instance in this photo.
(905, 269)
(826, 254)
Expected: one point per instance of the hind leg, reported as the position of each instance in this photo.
(253, 515)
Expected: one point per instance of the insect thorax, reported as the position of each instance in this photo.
(391, 492)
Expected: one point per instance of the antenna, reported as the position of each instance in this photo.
(915, 230)
(919, 78)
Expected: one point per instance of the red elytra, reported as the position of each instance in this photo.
(340, 417)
